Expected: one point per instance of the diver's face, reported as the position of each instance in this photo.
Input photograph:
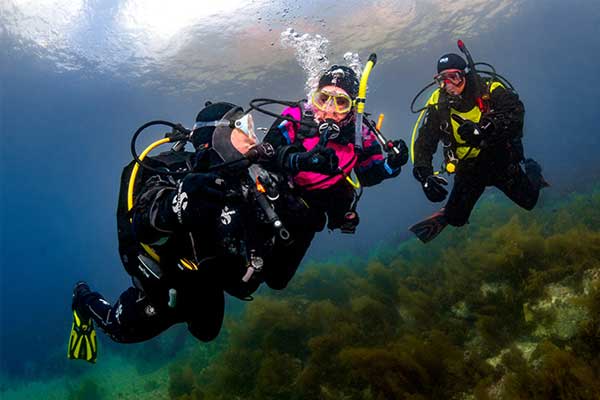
(455, 90)
(242, 141)
(330, 102)
(243, 136)
(452, 81)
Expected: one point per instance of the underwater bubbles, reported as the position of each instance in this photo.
(311, 53)
(353, 61)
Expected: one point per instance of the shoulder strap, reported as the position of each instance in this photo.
(303, 130)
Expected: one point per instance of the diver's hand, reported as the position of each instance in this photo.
(491, 135)
(433, 185)
(470, 133)
(198, 196)
(261, 152)
(323, 161)
(474, 134)
(396, 160)
(433, 188)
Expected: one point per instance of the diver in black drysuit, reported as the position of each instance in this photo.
(200, 227)
(486, 147)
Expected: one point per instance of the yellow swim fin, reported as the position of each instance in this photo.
(82, 342)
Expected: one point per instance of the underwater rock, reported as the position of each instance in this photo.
(488, 288)
(591, 280)
(526, 349)
(496, 391)
(557, 315)
(551, 372)
(460, 310)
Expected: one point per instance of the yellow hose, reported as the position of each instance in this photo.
(134, 172)
(414, 135)
(355, 185)
(136, 168)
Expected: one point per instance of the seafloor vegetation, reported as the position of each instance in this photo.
(506, 308)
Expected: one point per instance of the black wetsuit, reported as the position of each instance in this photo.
(197, 266)
(498, 162)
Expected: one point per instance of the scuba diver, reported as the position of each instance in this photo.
(192, 225)
(479, 121)
(317, 144)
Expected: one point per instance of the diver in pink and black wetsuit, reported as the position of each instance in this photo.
(320, 159)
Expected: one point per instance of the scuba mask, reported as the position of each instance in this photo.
(322, 99)
(245, 124)
(232, 137)
(454, 77)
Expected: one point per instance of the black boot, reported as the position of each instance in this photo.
(81, 295)
(351, 221)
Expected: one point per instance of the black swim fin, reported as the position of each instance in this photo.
(429, 228)
(533, 170)
(82, 342)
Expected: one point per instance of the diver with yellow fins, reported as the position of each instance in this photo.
(196, 225)
(192, 226)
(478, 118)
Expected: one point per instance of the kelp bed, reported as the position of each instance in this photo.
(505, 308)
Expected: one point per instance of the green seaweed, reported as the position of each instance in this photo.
(415, 324)
(183, 383)
(558, 374)
(88, 390)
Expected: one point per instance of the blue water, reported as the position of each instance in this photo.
(65, 132)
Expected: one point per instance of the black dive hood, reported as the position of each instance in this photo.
(488, 72)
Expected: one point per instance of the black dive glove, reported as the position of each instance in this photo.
(476, 133)
(323, 161)
(397, 160)
(432, 184)
(198, 197)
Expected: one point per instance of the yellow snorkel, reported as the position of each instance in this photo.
(360, 110)
(361, 99)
